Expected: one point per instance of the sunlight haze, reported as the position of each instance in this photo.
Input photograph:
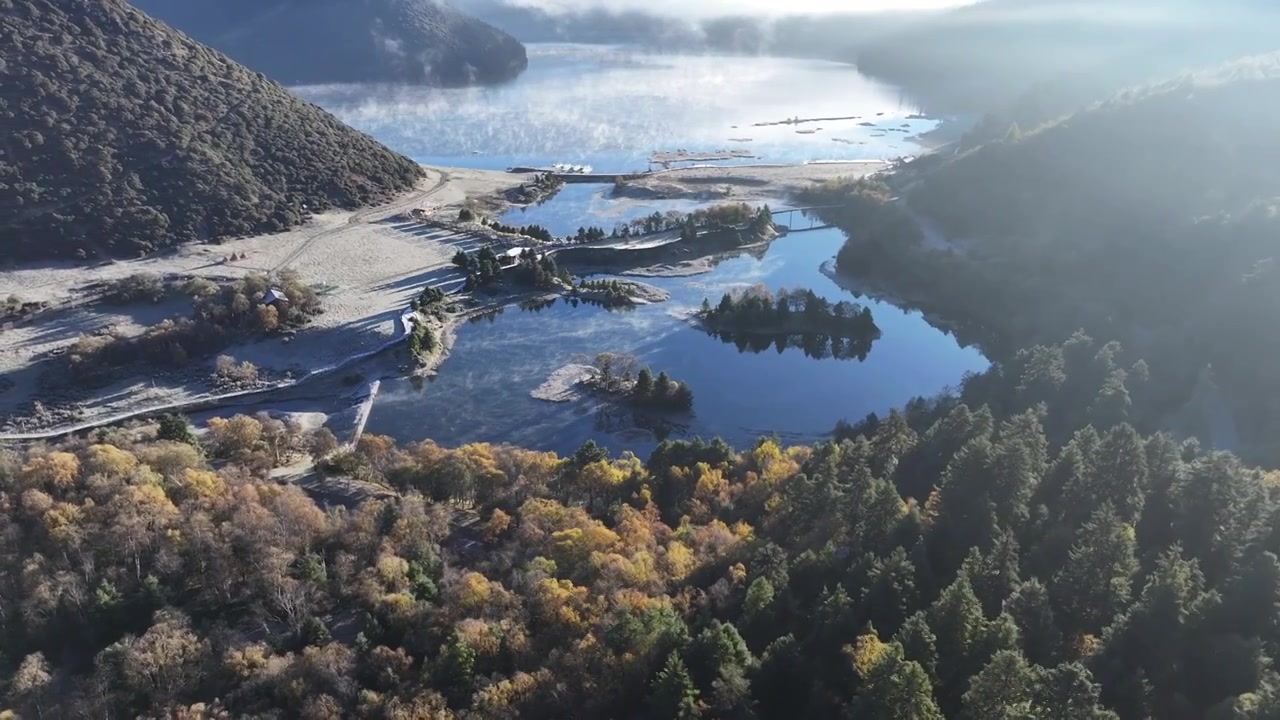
(713, 8)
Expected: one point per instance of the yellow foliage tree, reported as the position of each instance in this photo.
(109, 460)
(497, 524)
(238, 435)
(171, 459)
(678, 560)
(53, 471)
(472, 593)
(197, 485)
(865, 653)
(268, 318)
(393, 572)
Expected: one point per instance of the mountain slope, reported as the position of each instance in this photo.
(1152, 218)
(1035, 60)
(323, 41)
(123, 136)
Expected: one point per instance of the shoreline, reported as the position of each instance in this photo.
(344, 255)
(367, 265)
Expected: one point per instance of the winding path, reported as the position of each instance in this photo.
(404, 327)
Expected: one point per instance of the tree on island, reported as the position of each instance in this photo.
(681, 397)
(644, 384)
(662, 393)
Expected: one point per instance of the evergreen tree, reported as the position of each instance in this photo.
(994, 573)
(673, 694)
(1217, 508)
(782, 682)
(644, 384)
(1066, 692)
(177, 429)
(715, 652)
(455, 672)
(895, 689)
(661, 387)
(891, 594)
(1144, 664)
(1001, 691)
(919, 644)
(1096, 582)
(957, 623)
(1031, 608)
(1120, 468)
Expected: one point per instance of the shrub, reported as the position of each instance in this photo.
(135, 288)
(243, 372)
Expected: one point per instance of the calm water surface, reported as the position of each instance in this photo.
(610, 108)
(482, 391)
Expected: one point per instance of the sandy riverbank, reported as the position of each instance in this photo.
(366, 269)
(743, 182)
(565, 384)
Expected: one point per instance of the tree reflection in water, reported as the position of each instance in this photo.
(819, 347)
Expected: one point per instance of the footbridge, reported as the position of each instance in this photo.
(786, 217)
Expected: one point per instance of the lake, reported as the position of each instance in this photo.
(610, 108)
(482, 390)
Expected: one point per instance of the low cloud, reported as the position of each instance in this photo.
(720, 8)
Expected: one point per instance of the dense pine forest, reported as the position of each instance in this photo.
(123, 136)
(1021, 548)
(1148, 218)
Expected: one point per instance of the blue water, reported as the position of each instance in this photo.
(482, 391)
(611, 108)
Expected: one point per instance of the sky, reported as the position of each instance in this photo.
(713, 8)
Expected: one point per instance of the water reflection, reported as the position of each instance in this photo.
(743, 387)
(623, 421)
(817, 347)
(576, 104)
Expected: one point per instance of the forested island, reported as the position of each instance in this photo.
(617, 375)
(755, 320)
(756, 311)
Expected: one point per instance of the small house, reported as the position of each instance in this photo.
(273, 296)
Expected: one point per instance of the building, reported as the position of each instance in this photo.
(273, 296)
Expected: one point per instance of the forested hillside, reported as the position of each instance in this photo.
(329, 41)
(123, 136)
(1149, 218)
(1035, 60)
(1017, 550)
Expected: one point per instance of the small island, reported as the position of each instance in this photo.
(756, 311)
(616, 376)
(755, 320)
(618, 292)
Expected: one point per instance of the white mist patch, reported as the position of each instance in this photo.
(591, 105)
(719, 8)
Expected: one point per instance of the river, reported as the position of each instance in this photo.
(610, 108)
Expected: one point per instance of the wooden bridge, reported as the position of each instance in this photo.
(812, 221)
